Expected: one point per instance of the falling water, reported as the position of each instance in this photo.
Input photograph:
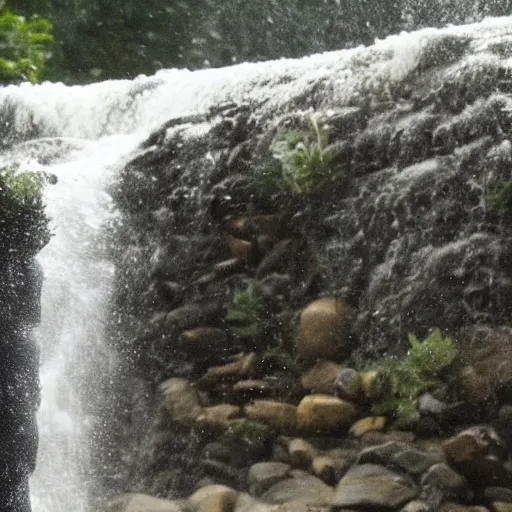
(82, 135)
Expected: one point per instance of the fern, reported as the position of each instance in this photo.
(246, 310)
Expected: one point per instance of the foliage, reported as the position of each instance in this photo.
(300, 163)
(412, 375)
(23, 223)
(246, 310)
(24, 47)
(248, 437)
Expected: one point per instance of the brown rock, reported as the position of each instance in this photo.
(324, 467)
(488, 370)
(499, 506)
(277, 260)
(276, 414)
(242, 367)
(214, 498)
(323, 327)
(301, 453)
(370, 424)
(479, 454)
(219, 416)
(254, 388)
(181, 401)
(242, 250)
(135, 502)
(321, 378)
(324, 413)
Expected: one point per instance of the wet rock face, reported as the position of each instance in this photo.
(409, 239)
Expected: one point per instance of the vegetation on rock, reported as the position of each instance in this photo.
(301, 162)
(25, 46)
(410, 376)
(23, 223)
(246, 310)
(501, 198)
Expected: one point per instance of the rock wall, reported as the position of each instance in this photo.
(410, 238)
(23, 232)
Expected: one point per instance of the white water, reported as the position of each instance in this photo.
(106, 122)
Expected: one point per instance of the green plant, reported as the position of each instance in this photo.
(250, 436)
(246, 310)
(300, 163)
(412, 375)
(23, 223)
(24, 47)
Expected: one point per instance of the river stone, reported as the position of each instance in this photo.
(219, 416)
(323, 328)
(324, 413)
(181, 401)
(382, 453)
(276, 414)
(370, 424)
(324, 467)
(264, 475)
(241, 367)
(301, 453)
(135, 502)
(416, 506)
(302, 487)
(214, 498)
(247, 503)
(479, 454)
(443, 477)
(501, 494)
(416, 462)
(499, 506)
(321, 378)
(373, 486)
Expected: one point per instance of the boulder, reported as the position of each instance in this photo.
(372, 486)
(280, 415)
(181, 401)
(191, 316)
(264, 475)
(324, 413)
(416, 462)
(323, 329)
(247, 503)
(321, 378)
(450, 506)
(443, 477)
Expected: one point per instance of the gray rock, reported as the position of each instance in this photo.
(416, 462)
(373, 486)
(444, 477)
(501, 494)
(302, 487)
(428, 404)
(264, 475)
(382, 453)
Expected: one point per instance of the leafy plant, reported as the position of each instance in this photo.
(250, 439)
(412, 375)
(246, 310)
(23, 223)
(24, 47)
(300, 163)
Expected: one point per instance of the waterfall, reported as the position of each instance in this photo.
(82, 134)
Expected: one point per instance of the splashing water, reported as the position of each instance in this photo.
(82, 134)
